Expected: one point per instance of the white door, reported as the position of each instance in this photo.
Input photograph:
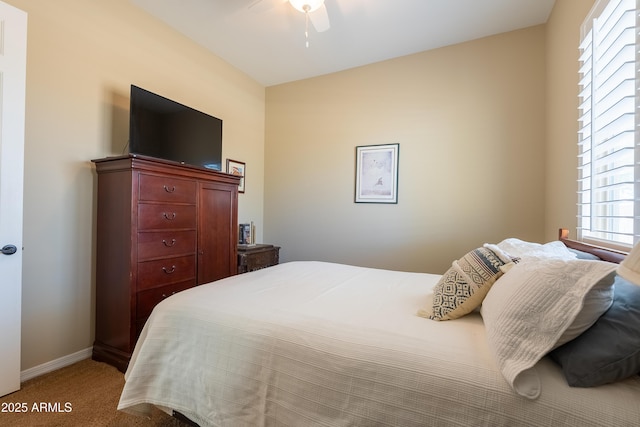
(13, 59)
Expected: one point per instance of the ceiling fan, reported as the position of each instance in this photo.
(314, 10)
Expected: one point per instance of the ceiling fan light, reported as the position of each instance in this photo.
(306, 5)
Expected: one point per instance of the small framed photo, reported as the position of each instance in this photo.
(377, 173)
(246, 234)
(237, 168)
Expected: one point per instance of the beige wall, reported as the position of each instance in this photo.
(563, 38)
(82, 58)
(470, 123)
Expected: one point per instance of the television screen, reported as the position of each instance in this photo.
(165, 129)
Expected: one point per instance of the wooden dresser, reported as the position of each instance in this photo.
(162, 227)
(256, 257)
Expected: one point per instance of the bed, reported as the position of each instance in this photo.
(325, 344)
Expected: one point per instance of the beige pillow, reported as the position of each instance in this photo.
(463, 287)
(527, 312)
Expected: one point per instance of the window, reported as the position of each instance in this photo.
(608, 138)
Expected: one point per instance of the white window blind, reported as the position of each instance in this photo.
(608, 153)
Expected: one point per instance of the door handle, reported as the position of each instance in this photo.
(9, 249)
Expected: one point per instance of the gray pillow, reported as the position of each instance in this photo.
(584, 255)
(609, 351)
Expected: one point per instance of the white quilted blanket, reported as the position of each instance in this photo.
(319, 344)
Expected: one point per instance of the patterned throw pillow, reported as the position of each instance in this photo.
(463, 287)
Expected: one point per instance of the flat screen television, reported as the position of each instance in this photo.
(165, 129)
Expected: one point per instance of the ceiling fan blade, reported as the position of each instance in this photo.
(320, 19)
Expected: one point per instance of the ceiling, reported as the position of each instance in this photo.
(266, 40)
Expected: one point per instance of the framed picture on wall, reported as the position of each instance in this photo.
(377, 173)
(237, 168)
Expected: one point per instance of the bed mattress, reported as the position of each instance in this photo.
(314, 343)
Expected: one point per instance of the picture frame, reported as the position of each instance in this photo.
(236, 168)
(246, 234)
(377, 173)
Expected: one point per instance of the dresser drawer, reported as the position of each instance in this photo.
(166, 189)
(157, 244)
(164, 217)
(150, 298)
(152, 274)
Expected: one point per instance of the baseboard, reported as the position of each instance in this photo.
(53, 365)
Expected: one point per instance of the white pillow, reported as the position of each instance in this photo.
(528, 310)
(532, 251)
(596, 303)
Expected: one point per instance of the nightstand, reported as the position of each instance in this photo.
(255, 257)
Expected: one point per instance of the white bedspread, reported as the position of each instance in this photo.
(312, 343)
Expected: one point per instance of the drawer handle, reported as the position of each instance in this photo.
(167, 296)
(169, 190)
(167, 244)
(169, 270)
(170, 216)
